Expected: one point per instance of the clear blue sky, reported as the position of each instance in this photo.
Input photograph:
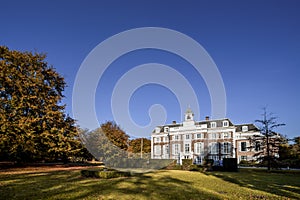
(255, 44)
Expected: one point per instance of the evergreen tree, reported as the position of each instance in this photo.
(269, 139)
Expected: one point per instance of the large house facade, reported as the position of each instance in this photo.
(213, 139)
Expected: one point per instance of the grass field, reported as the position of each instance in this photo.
(40, 183)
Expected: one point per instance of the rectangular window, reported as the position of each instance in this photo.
(243, 157)
(257, 146)
(166, 149)
(157, 130)
(243, 146)
(225, 124)
(187, 136)
(176, 137)
(166, 129)
(176, 149)
(244, 128)
(198, 147)
(226, 147)
(198, 160)
(166, 139)
(157, 149)
(157, 139)
(186, 148)
(213, 125)
(214, 135)
(214, 148)
(199, 136)
(215, 158)
(226, 135)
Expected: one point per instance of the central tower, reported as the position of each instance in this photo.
(188, 117)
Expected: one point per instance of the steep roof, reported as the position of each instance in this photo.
(251, 127)
(219, 123)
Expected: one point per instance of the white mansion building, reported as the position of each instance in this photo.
(214, 139)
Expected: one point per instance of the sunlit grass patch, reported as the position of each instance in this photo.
(164, 184)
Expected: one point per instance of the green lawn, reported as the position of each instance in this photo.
(246, 184)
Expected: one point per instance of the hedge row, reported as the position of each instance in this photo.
(137, 163)
(103, 173)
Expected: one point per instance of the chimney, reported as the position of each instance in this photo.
(207, 118)
(174, 122)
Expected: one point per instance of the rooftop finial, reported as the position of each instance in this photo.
(189, 110)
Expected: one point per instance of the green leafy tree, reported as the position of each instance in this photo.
(33, 125)
(290, 153)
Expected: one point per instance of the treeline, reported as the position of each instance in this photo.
(33, 123)
(289, 154)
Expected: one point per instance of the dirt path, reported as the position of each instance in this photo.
(31, 169)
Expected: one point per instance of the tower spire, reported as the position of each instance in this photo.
(189, 115)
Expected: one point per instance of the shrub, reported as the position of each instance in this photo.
(186, 164)
(104, 173)
(197, 168)
(207, 164)
(173, 166)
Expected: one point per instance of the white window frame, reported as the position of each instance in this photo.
(244, 157)
(213, 124)
(226, 135)
(157, 150)
(242, 146)
(225, 123)
(176, 137)
(214, 136)
(166, 149)
(197, 134)
(226, 147)
(187, 137)
(166, 129)
(214, 157)
(244, 128)
(187, 148)
(198, 159)
(214, 148)
(157, 130)
(166, 139)
(199, 147)
(176, 149)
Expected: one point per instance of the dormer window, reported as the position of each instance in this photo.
(157, 130)
(166, 129)
(225, 124)
(244, 128)
(213, 124)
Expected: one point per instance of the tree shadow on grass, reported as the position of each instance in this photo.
(281, 184)
(164, 187)
(70, 185)
(147, 186)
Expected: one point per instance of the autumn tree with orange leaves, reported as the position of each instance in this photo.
(33, 124)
